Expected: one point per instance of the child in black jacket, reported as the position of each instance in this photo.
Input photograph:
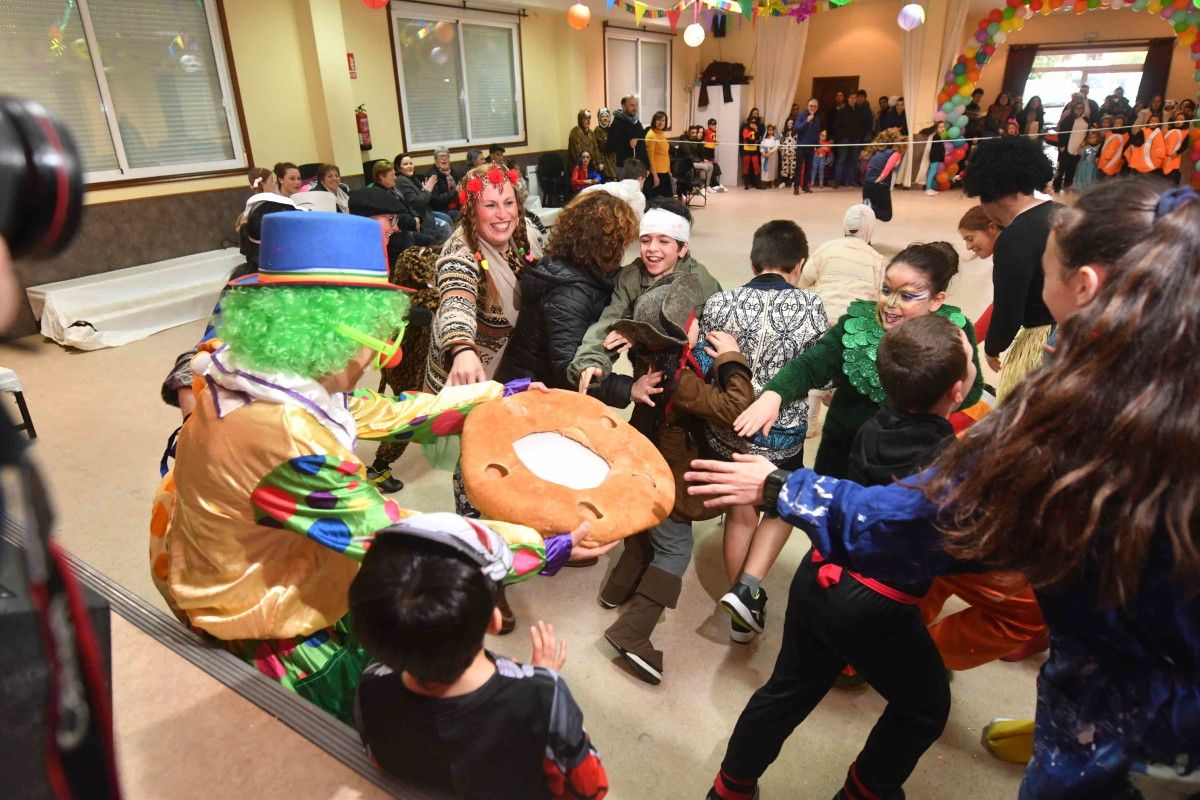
(836, 617)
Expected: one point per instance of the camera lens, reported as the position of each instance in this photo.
(41, 180)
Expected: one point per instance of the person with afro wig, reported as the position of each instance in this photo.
(260, 526)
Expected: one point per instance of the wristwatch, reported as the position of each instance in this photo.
(773, 486)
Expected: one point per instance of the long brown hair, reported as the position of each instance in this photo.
(1098, 453)
(520, 236)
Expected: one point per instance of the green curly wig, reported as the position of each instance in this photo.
(290, 328)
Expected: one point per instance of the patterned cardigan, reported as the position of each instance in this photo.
(773, 322)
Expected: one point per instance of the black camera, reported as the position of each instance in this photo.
(41, 180)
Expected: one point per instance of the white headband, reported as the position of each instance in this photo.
(257, 181)
(659, 220)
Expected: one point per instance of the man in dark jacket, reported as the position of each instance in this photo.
(894, 118)
(808, 127)
(847, 133)
(626, 135)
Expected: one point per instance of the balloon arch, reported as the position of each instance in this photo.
(1182, 15)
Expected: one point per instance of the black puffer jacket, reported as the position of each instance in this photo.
(559, 301)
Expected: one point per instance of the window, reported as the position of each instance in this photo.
(142, 84)
(460, 79)
(638, 63)
(1058, 74)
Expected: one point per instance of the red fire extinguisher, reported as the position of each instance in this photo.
(364, 127)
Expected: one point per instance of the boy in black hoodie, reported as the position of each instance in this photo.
(836, 617)
(918, 369)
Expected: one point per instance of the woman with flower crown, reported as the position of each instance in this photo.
(477, 280)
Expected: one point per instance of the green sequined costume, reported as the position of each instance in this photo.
(846, 356)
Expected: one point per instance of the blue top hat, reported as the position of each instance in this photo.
(318, 248)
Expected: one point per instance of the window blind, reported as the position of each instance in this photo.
(431, 71)
(654, 73)
(491, 81)
(622, 65)
(162, 76)
(57, 72)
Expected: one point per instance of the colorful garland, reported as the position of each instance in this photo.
(799, 10)
(992, 32)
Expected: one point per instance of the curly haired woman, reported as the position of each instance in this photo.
(882, 157)
(564, 293)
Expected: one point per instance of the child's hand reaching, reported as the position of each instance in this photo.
(718, 342)
(548, 652)
(645, 387)
(617, 341)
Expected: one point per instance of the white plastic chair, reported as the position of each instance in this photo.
(9, 382)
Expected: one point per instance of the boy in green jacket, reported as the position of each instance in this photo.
(661, 255)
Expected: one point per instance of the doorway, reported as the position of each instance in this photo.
(824, 90)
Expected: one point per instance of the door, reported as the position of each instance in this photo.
(824, 90)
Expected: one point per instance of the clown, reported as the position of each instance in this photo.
(259, 529)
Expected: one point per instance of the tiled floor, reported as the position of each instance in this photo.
(102, 428)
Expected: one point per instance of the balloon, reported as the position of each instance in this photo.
(374, 4)
(961, 121)
(578, 16)
(993, 28)
(693, 35)
(952, 170)
(1000, 37)
(939, 116)
(439, 55)
(981, 36)
(444, 31)
(1008, 13)
(1018, 24)
(989, 49)
(953, 132)
(911, 17)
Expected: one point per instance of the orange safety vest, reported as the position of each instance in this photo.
(1173, 143)
(1148, 156)
(1112, 153)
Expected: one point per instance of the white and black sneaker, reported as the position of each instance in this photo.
(750, 609)
(740, 633)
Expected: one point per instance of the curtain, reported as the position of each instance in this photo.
(952, 45)
(912, 51)
(1018, 66)
(952, 35)
(1156, 69)
(777, 63)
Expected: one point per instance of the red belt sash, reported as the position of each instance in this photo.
(829, 573)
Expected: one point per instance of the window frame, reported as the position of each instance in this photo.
(638, 35)
(399, 10)
(124, 175)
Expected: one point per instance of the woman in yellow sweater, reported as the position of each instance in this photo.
(658, 153)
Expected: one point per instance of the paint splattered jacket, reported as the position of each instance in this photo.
(1121, 687)
(260, 527)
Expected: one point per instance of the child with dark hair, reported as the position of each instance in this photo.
(773, 322)
(749, 156)
(438, 710)
(836, 617)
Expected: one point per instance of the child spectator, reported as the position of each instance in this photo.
(438, 710)
(837, 617)
(751, 165)
(770, 147)
(787, 152)
(883, 156)
(937, 154)
(822, 155)
(585, 173)
(1112, 153)
(773, 322)
(664, 234)
(710, 154)
(674, 400)
(1085, 173)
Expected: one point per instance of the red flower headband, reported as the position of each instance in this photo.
(495, 176)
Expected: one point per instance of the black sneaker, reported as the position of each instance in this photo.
(383, 480)
(748, 609)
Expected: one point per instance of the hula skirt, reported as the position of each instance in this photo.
(1027, 353)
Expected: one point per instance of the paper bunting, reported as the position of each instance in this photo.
(799, 10)
(639, 11)
(673, 16)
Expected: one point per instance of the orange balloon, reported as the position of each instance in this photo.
(444, 31)
(578, 16)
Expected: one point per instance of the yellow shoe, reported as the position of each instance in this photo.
(1009, 740)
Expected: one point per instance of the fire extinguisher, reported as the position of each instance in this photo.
(364, 127)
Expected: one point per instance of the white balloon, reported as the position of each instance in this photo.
(439, 55)
(999, 37)
(1027, 13)
(910, 17)
(693, 35)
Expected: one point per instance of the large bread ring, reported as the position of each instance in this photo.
(637, 492)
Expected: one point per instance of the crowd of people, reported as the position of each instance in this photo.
(293, 557)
